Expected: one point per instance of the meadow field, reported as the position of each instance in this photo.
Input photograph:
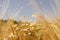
(18, 30)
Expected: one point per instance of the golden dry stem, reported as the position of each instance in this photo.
(11, 30)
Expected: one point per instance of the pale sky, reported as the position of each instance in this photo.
(17, 8)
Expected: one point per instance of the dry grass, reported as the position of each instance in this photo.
(12, 30)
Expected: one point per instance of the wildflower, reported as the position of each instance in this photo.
(17, 28)
(32, 28)
(26, 24)
(34, 15)
(14, 36)
(25, 29)
(14, 25)
(29, 33)
(11, 34)
(31, 24)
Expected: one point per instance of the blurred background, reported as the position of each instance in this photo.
(41, 19)
(29, 9)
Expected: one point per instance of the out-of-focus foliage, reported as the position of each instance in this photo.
(12, 30)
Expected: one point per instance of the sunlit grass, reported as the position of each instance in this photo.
(12, 30)
(40, 30)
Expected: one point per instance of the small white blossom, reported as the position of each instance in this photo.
(14, 25)
(31, 24)
(25, 29)
(11, 34)
(29, 33)
(26, 24)
(17, 28)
